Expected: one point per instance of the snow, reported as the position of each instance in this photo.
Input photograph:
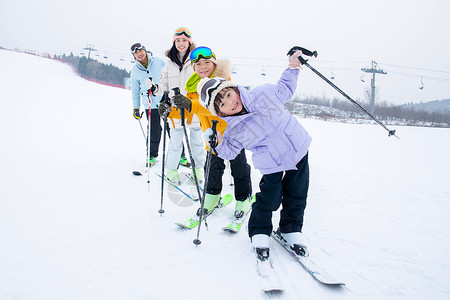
(76, 224)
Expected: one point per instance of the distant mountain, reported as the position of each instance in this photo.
(439, 106)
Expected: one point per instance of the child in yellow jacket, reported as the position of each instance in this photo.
(205, 64)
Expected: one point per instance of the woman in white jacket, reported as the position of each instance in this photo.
(176, 72)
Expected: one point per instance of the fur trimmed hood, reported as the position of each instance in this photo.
(223, 70)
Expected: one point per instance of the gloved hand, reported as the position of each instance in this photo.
(182, 102)
(152, 87)
(136, 113)
(164, 109)
(212, 140)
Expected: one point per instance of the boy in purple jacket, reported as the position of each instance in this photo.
(259, 122)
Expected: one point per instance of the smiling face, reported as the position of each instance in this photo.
(204, 67)
(141, 56)
(228, 102)
(182, 45)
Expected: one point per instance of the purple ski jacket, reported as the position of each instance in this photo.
(275, 137)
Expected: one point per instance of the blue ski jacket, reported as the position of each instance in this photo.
(138, 86)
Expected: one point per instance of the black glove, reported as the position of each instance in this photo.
(182, 102)
(136, 113)
(164, 109)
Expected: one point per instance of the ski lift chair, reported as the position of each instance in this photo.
(263, 72)
(421, 83)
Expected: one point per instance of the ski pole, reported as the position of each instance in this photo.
(145, 138)
(164, 99)
(177, 91)
(208, 165)
(148, 139)
(305, 62)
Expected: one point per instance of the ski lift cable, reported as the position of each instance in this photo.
(417, 76)
(421, 69)
(283, 60)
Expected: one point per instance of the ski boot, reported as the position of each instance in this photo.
(173, 176)
(184, 162)
(199, 174)
(150, 161)
(242, 207)
(211, 201)
(296, 241)
(261, 244)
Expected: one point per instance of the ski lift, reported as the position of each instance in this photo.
(263, 72)
(362, 78)
(122, 59)
(332, 76)
(96, 54)
(421, 83)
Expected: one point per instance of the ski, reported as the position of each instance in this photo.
(193, 222)
(236, 224)
(189, 176)
(317, 272)
(177, 187)
(268, 278)
(139, 173)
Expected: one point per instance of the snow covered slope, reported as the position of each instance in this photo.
(75, 224)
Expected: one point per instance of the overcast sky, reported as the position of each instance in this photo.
(409, 39)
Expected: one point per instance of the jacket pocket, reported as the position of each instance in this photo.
(295, 134)
(262, 158)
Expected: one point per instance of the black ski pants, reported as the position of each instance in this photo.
(155, 131)
(240, 170)
(288, 188)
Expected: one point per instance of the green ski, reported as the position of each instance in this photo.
(193, 222)
(236, 224)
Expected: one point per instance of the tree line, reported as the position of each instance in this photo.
(92, 69)
(382, 110)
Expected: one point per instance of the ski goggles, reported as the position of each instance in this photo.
(207, 89)
(136, 47)
(183, 30)
(201, 52)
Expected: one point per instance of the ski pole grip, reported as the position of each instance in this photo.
(214, 125)
(213, 139)
(304, 52)
(176, 90)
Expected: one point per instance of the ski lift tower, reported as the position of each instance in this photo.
(374, 71)
(90, 48)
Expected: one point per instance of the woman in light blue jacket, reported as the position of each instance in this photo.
(259, 122)
(147, 67)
